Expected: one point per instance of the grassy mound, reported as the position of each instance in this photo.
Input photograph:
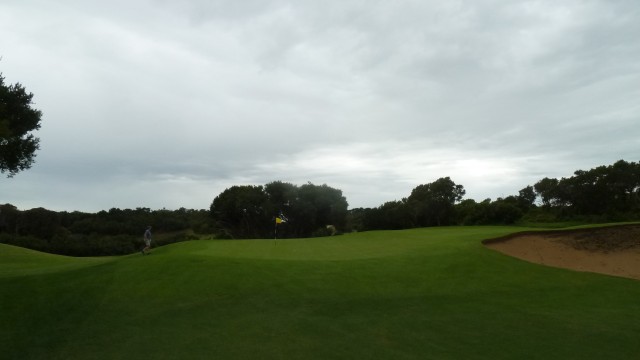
(432, 293)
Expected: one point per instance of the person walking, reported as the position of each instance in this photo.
(147, 241)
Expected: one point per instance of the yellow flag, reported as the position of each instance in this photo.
(278, 220)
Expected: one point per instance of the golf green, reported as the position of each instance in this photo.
(432, 293)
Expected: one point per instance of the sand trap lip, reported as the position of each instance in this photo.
(613, 250)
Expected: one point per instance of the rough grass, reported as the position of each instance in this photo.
(417, 294)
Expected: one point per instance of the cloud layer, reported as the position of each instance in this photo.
(166, 104)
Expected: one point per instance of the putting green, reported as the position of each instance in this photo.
(432, 293)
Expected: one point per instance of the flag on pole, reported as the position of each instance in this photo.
(281, 219)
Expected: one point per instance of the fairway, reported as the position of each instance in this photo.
(433, 293)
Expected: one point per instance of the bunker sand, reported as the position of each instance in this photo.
(609, 250)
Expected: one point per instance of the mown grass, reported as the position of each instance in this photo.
(432, 293)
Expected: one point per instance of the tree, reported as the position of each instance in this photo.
(526, 198)
(394, 215)
(433, 203)
(505, 211)
(319, 206)
(239, 213)
(281, 196)
(249, 211)
(624, 179)
(8, 218)
(38, 222)
(17, 120)
(610, 192)
(546, 189)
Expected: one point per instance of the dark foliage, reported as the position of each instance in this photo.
(612, 190)
(17, 120)
(113, 232)
(248, 211)
(605, 193)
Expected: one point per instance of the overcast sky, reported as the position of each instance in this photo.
(165, 104)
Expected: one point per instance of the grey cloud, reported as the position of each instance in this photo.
(168, 103)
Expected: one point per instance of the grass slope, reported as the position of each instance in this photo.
(417, 294)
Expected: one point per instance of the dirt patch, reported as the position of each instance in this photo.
(607, 250)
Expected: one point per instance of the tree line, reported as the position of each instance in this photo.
(605, 190)
(605, 193)
(112, 232)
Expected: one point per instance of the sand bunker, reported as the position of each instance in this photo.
(608, 250)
